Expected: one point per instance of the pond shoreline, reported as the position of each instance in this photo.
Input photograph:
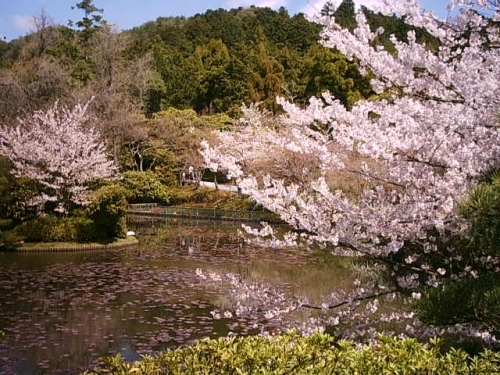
(68, 247)
(153, 209)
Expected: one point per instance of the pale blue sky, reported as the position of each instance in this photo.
(16, 15)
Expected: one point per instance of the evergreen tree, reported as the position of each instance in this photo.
(328, 9)
(345, 15)
(91, 21)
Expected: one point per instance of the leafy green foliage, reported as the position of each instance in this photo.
(103, 218)
(164, 166)
(151, 155)
(482, 209)
(145, 187)
(316, 354)
(211, 62)
(345, 15)
(215, 61)
(187, 119)
(107, 209)
(9, 239)
(22, 191)
(57, 229)
(192, 196)
(326, 68)
(462, 302)
(394, 25)
(6, 181)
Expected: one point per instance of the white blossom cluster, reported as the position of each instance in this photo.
(418, 149)
(359, 315)
(413, 152)
(351, 315)
(57, 149)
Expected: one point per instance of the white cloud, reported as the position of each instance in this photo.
(22, 23)
(315, 6)
(258, 3)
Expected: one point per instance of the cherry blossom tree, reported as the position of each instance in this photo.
(59, 149)
(385, 178)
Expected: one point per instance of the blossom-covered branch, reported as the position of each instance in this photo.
(388, 172)
(384, 178)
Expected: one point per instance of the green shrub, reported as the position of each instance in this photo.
(107, 209)
(144, 187)
(291, 353)
(192, 196)
(6, 224)
(156, 159)
(9, 239)
(57, 229)
(482, 210)
(165, 167)
(103, 218)
(186, 118)
(16, 204)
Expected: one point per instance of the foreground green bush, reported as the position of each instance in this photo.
(318, 354)
(102, 219)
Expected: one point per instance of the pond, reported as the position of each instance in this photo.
(61, 312)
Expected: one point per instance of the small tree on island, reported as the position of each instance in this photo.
(385, 178)
(60, 150)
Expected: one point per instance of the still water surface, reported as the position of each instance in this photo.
(61, 312)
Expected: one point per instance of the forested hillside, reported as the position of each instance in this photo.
(211, 62)
(161, 88)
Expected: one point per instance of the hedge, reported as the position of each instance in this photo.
(320, 353)
(52, 229)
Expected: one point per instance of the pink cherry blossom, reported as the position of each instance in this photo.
(60, 150)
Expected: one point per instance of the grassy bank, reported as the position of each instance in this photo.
(195, 197)
(75, 246)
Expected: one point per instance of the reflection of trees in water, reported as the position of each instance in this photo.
(54, 332)
(217, 243)
(81, 337)
(64, 310)
(191, 243)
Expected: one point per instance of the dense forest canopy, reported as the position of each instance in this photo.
(211, 62)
